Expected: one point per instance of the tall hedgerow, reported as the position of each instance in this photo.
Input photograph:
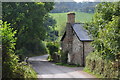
(105, 29)
(11, 68)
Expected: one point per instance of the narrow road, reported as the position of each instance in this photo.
(47, 69)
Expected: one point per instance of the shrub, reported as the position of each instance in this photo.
(64, 57)
(105, 28)
(27, 72)
(11, 67)
(52, 49)
(101, 67)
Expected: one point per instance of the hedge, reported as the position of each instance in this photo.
(102, 67)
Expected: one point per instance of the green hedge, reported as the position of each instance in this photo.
(52, 48)
(102, 68)
(11, 68)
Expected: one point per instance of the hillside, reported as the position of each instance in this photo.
(87, 7)
(61, 19)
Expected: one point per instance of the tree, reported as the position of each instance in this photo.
(11, 67)
(52, 34)
(28, 19)
(105, 29)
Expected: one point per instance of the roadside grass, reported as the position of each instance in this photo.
(92, 73)
(67, 65)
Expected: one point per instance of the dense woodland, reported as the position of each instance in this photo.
(32, 24)
(29, 30)
(24, 28)
(87, 7)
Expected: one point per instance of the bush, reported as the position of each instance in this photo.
(32, 50)
(11, 67)
(101, 67)
(64, 57)
(105, 29)
(52, 50)
(27, 72)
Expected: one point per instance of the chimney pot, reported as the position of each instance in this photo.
(71, 17)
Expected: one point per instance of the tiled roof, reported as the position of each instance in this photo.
(81, 32)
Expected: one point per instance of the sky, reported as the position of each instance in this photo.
(84, 0)
(60, 0)
(96, 1)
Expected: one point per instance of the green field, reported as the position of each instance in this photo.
(61, 19)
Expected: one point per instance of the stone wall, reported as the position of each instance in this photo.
(74, 46)
(87, 49)
(64, 44)
(76, 56)
(69, 35)
(77, 51)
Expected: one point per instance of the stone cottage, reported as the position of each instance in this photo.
(76, 41)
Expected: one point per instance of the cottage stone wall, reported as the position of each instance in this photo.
(87, 48)
(77, 50)
(76, 56)
(69, 36)
(64, 44)
(67, 41)
(74, 46)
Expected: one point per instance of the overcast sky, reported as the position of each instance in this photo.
(59, 0)
(96, 0)
(83, 0)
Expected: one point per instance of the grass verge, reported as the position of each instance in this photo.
(67, 65)
(92, 73)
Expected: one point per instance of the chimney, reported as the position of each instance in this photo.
(71, 17)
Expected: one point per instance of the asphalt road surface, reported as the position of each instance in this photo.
(47, 69)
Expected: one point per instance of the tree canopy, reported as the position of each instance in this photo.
(29, 21)
(11, 67)
(105, 29)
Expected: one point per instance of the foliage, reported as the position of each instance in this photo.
(52, 49)
(105, 29)
(11, 67)
(52, 34)
(101, 68)
(27, 72)
(29, 21)
(64, 57)
(7, 38)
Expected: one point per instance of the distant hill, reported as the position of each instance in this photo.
(61, 7)
(61, 19)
